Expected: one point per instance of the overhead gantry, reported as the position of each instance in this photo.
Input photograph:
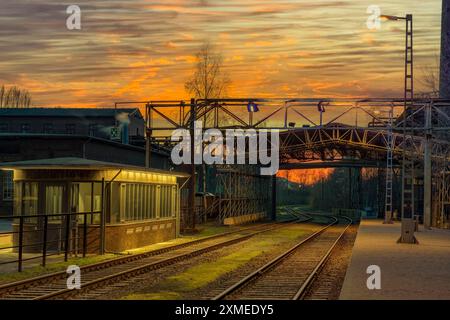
(376, 131)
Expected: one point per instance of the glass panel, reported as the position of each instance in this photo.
(146, 214)
(152, 202)
(123, 202)
(114, 197)
(130, 207)
(54, 200)
(84, 194)
(8, 185)
(17, 198)
(75, 202)
(30, 198)
(173, 202)
(82, 198)
(158, 201)
(144, 201)
(165, 201)
(133, 202)
(161, 201)
(139, 202)
(97, 201)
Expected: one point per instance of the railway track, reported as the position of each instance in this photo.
(53, 286)
(288, 276)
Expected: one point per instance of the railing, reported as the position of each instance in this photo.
(45, 235)
(287, 114)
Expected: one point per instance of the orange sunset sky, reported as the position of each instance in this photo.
(139, 50)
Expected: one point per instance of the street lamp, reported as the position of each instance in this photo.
(392, 18)
(407, 164)
(409, 63)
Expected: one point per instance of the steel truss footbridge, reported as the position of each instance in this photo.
(323, 132)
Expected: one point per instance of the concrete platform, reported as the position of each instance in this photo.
(407, 271)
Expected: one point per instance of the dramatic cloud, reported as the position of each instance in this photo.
(137, 49)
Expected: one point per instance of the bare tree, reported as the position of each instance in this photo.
(209, 81)
(14, 97)
(429, 80)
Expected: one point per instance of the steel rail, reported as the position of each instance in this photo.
(90, 285)
(14, 287)
(22, 284)
(271, 264)
(308, 282)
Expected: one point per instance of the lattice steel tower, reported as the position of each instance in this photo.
(389, 168)
(408, 132)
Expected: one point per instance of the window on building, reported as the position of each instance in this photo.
(8, 185)
(87, 198)
(29, 198)
(25, 128)
(3, 127)
(93, 129)
(167, 201)
(70, 128)
(147, 201)
(48, 128)
(54, 195)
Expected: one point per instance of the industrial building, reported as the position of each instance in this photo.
(120, 125)
(106, 134)
(103, 206)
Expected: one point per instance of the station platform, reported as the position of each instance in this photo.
(408, 271)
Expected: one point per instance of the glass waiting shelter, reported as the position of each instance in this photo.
(115, 207)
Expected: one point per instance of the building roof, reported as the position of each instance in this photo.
(81, 164)
(66, 112)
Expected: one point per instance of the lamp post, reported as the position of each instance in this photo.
(407, 213)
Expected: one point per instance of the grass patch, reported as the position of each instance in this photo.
(207, 230)
(205, 273)
(213, 229)
(51, 268)
(163, 295)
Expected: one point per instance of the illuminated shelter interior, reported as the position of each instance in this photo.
(124, 206)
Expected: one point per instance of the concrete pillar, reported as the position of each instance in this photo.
(444, 89)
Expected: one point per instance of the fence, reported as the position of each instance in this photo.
(44, 235)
